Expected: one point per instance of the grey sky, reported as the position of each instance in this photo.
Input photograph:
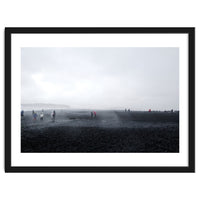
(101, 78)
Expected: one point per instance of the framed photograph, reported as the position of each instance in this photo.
(99, 99)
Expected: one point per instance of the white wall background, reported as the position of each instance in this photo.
(90, 13)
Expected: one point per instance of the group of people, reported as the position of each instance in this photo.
(127, 110)
(34, 114)
(53, 115)
(41, 115)
(93, 114)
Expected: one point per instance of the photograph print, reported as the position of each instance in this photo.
(99, 100)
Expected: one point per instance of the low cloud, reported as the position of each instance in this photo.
(104, 78)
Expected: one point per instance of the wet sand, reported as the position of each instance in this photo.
(110, 131)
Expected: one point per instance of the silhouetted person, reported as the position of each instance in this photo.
(41, 116)
(91, 114)
(95, 114)
(22, 113)
(53, 115)
(34, 115)
(125, 110)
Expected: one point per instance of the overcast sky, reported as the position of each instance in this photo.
(101, 78)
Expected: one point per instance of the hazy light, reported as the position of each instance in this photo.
(103, 78)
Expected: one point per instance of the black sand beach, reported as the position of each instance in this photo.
(110, 131)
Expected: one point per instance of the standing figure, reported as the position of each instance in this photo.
(41, 116)
(53, 115)
(95, 114)
(91, 114)
(22, 113)
(34, 115)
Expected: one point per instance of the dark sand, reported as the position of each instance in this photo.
(110, 131)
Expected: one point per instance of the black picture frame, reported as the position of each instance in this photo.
(100, 30)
